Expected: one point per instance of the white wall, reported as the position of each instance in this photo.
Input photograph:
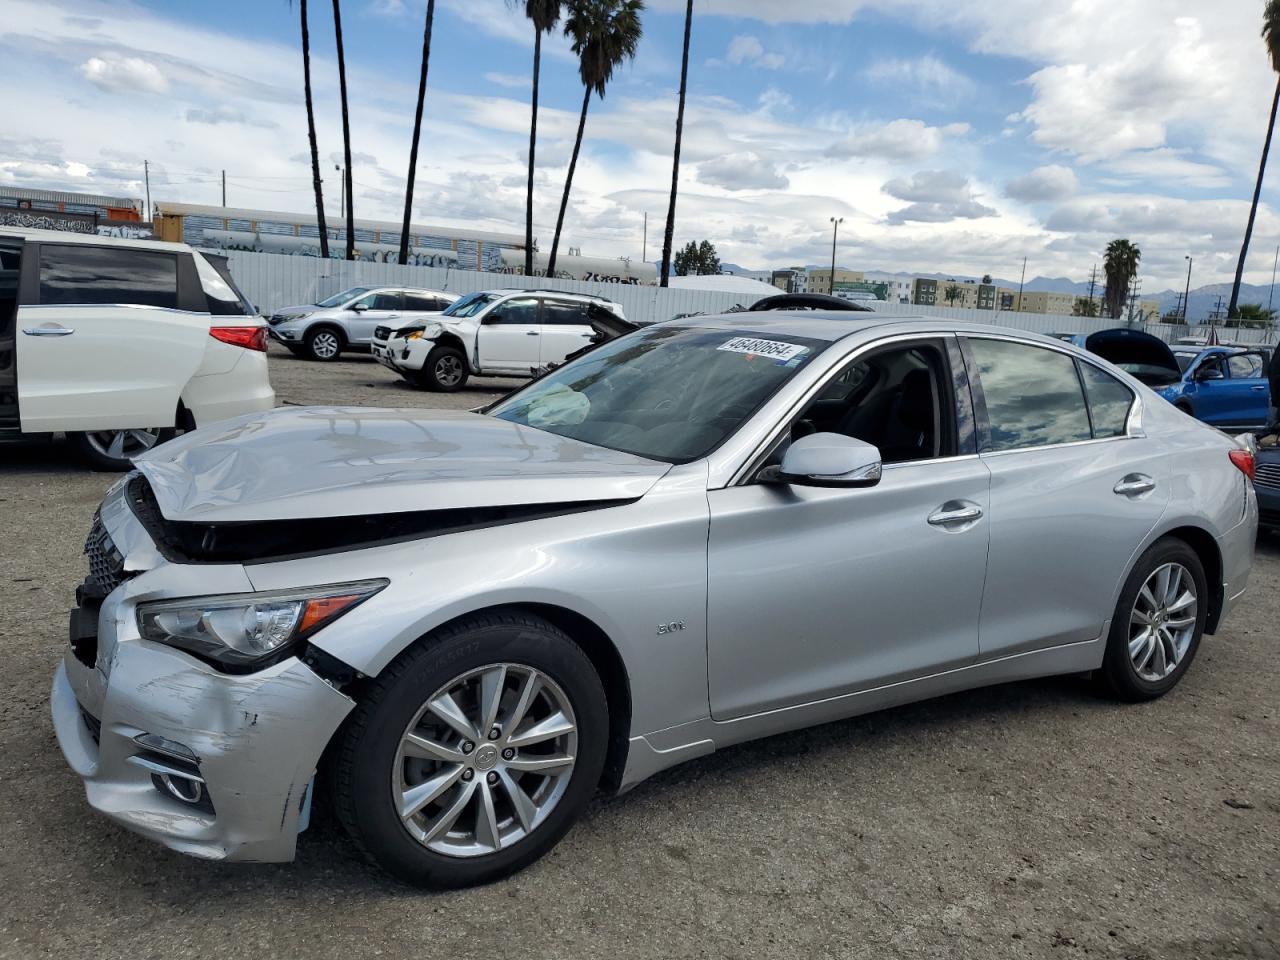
(273, 280)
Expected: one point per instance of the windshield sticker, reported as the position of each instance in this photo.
(774, 350)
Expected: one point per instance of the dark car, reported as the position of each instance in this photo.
(1266, 482)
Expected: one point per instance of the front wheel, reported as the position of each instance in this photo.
(323, 344)
(115, 449)
(1158, 623)
(445, 370)
(474, 753)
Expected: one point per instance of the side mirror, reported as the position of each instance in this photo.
(828, 460)
(1209, 373)
(359, 307)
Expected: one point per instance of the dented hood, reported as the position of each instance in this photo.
(303, 462)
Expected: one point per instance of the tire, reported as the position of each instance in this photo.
(1135, 673)
(373, 776)
(323, 343)
(114, 450)
(445, 371)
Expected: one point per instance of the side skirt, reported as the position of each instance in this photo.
(653, 752)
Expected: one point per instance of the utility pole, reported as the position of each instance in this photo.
(835, 227)
(1022, 281)
(644, 239)
(1186, 297)
(1134, 286)
(146, 176)
(1093, 283)
(224, 188)
(342, 191)
(1271, 295)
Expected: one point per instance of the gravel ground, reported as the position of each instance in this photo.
(1030, 820)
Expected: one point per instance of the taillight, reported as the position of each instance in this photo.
(251, 338)
(1243, 459)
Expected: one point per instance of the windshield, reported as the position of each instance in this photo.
(667, 393)
(471, 304)
(1184, 360)
(338, 299)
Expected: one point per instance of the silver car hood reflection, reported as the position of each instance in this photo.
(306, 462)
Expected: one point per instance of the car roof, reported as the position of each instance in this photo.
(568, 294)
(832, 326)
(91, 239)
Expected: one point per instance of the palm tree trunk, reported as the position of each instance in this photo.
(675, 168)
(417, 132)
(533, 141)
(346, 130)
(311, 133)
(568, 182)
(1253, 210)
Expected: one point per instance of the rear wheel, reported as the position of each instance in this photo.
(1158, 623)
(474, 753)
(115, 449)
(323, 343)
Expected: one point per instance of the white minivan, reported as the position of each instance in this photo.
(120, 343)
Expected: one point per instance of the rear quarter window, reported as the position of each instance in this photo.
(75, 274)
(1109, 401)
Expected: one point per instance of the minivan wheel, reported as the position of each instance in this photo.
(1158, 623)
(474, 752)
(445, 370)
(115, 449)
(323, 343)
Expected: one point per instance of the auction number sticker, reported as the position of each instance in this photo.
(775, 350)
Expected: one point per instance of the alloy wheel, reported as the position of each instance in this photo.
(1163, 621)
(324, 345)
(448, 370)
(485, 760)
(124, 444)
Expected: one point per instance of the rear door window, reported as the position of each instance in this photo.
(387, 300)
(75, 274)
(422, 302)
(1109, 401)
(1244, 366)
(223, 298)
(563, 313)
(1033, 395)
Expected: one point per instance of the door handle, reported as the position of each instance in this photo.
(1257, 389)
(955, 512)
(393, 316)
(531, 333)
(48, 331)
(1135, 484)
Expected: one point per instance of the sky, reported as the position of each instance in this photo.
(952, 137)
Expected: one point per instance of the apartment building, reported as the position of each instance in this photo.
(821, 281)
(791, 280)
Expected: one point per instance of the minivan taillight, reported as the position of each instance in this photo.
(1243, 459)
(251, 338)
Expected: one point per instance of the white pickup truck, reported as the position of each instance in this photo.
(496, 333)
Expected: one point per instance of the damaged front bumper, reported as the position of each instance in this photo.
(211, 764)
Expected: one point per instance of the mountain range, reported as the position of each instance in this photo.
(1204, 299)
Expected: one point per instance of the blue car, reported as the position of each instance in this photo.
(1223, 386)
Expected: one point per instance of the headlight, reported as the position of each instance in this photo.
(236, 631)
(429, 332)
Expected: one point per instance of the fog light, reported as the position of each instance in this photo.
(166, 746)
(180, 788)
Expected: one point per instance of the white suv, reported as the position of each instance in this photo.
(495, 333)
(118, 343)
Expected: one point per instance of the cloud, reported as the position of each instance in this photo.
(515, 81)
(124, 75)
(937, 196)
(744, 49)
(927, 76)
(1051, 182)
(742, 171)
(903, 140)
(1167, 166)
(223, 115)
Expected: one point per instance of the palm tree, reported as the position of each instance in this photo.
(544, 14)
(346, 130)
(311, 130)
(417, 132)
(1271, 36)
(1120, 266)
(605, 33)
(675, 168)
(953, 293)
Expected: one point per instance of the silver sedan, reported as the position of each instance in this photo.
(460, 626)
